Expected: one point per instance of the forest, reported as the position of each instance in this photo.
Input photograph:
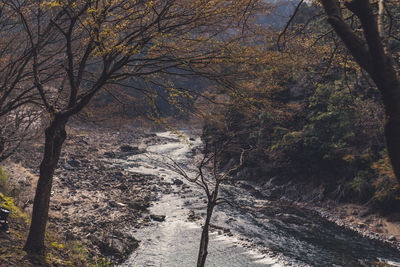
(315, 116)
(274, 124)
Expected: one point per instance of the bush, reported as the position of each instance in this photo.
(3, 181)
(387, 188)
(361, 187)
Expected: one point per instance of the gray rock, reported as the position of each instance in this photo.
(74, 163)
(112, 204)
(192, 216)
(392, 238)
(138, 205)
(112, 246)
(185, 186)
(128, 148)
(158, 218)
(361, 225)
(178, 182)
(110, 155)
(67, 166)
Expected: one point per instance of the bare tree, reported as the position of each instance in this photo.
(209, 176)
(20, 110)
(18, 126)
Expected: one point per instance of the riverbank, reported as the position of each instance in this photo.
(362, 219)
(262, 232)
(93, 201)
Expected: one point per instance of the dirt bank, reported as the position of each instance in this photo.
(360, 218)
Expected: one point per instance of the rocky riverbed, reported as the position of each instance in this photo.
(258, 231)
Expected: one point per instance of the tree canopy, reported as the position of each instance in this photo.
(78, 48)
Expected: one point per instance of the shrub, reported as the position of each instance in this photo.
(387, 188)
(3, 181)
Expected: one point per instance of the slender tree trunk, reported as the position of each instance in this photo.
(201, 260)
(55, 136)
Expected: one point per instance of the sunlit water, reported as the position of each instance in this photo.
(275, 236)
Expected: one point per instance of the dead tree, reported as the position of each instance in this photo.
(18, 126)
(209, 176)
(20, 110)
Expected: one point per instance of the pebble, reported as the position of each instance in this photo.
(361, 225)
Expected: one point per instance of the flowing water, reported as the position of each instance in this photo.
(276, 235)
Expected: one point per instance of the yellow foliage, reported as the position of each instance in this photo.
(349, 157)
(57, 245)
(3, 180)
(384, 168)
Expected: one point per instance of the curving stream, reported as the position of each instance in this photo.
(277, 235)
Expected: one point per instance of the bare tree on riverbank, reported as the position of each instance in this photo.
(209, 177)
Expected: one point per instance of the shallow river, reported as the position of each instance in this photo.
(277, 235)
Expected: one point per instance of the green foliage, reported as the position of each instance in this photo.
(80, 250)
(325, 142)
(3, 181)
(15, 212)
(387, 194)
(102, 263)
(332, 135)
(361, 186)
(52, 260)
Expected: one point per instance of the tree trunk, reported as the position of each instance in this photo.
(390, 89)
(370, 54)
(201, 260)
(55, 135)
